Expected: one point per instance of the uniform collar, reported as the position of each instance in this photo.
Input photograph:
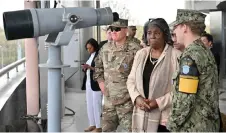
(124, 47)
(195, 42)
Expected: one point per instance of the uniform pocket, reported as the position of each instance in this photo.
(105, 57)
(125, 63)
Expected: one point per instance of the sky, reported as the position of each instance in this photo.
(10, 5)
(140, 10)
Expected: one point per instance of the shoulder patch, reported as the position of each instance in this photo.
(188, 67)
(185, 69)
(189, 76)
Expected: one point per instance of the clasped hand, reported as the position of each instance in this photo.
(146, 104)
(85, 66)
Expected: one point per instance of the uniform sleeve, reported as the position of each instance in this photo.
(182, 107)
(131, 82)
(186, 90)
(99, 68)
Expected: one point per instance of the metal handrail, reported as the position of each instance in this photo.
(5, 70)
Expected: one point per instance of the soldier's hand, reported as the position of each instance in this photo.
(102, 87)
(140, 103)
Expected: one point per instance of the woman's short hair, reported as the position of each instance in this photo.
(164, 27)
(94, 43)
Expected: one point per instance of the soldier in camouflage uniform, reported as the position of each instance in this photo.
(131, 34)
(112, 67)
(195, 98)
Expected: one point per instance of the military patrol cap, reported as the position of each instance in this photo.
(122, 23)
(171, 28)
(185, 15)
(133, 27)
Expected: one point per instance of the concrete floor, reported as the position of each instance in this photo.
(75, 100)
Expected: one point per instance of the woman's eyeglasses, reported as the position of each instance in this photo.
(116, 29)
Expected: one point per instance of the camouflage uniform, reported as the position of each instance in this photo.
(195, 111)
(134, 39)
(113, 66)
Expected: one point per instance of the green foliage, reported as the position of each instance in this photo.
(207, 29)
(139, 32)
(9, 49)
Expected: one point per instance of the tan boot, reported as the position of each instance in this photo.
(97, 130)
(89, 129)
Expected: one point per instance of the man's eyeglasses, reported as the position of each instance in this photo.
(116, 29)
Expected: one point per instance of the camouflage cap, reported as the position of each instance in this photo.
(185, 15)
(171, 28)
(120, 23)
(132, 27)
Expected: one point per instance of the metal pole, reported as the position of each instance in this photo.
(98, 27)
(2, 56)
(42, 3)
(54, 89)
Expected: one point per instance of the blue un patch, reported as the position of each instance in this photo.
(185, 69)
